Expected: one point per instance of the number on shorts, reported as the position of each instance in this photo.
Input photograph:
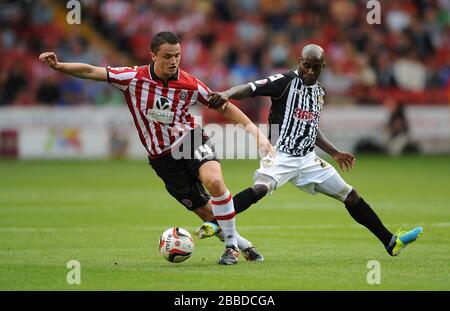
(203, 152)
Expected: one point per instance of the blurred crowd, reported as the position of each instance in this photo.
(228, 42)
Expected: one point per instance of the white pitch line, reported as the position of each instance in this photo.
(247, 227)
(328, 206)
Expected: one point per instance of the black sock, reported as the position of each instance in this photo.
(244, 200)
(365, 216)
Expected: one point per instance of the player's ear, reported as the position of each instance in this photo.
(153, 55)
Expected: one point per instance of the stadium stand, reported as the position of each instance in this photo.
(225, 43)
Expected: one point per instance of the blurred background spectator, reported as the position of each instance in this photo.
(398, 140)
(228, 42)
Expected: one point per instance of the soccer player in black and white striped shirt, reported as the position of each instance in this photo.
(297, 100)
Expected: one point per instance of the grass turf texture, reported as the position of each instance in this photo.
(108, 215)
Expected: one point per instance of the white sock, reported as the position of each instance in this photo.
(242, 242)
(223, 210)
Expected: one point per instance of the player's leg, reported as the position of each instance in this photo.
(335, 187)
(246, 198)
(359, 210)
(202, 164)
(210, 174)
(272, 173)
(211, 227)
(183, 185)
(363, 214)
(317, 175)
(241, 201)
(187, 189)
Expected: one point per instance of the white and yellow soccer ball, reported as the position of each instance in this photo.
(176, 244)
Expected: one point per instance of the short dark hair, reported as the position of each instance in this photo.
(163, 37)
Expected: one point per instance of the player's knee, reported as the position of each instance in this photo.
(260, 190)
(263, 185)
(215, 185)
(352, 198)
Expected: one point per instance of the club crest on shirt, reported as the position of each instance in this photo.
(320, 99)
(183, 95)
(299, 92)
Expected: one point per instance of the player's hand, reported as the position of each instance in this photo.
(50, 59)
(345, 160)
(217, 99)
(265, 146)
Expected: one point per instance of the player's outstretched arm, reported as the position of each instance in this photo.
(79, 70)
(235, 115)
(217, 99)
(345, 160)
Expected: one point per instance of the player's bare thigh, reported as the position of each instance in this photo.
(210, 174)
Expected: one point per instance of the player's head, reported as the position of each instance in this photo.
(166, 53)
(311, 63)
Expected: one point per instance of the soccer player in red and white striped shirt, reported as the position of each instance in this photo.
(159, 96)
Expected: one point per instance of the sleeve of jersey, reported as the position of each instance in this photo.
(203, 92)
(272, 86)
(121, 77)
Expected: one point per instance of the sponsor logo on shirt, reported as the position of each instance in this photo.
(161, 111)
(305, 115)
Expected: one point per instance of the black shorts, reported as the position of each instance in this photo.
(180, 174)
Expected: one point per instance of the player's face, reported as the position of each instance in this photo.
(310, 69)
(167, 59)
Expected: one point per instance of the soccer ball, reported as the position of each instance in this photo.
(176, 244)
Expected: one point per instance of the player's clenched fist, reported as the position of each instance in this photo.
(217, 99)
(49, 58)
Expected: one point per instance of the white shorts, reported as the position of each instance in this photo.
(309, 173)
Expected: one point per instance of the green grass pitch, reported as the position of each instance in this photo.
(108, 215)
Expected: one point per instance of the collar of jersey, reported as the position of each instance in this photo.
(153, 75)
(303, 83)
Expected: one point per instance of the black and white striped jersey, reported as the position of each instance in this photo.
(295, 111)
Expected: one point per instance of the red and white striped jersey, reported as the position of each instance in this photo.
(160, 112)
